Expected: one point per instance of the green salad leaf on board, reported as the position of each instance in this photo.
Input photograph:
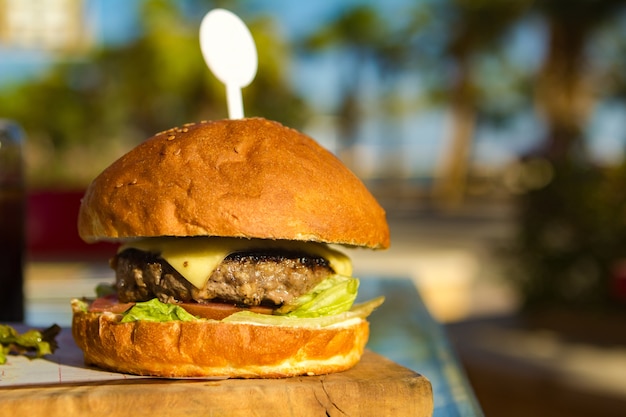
(32, 343)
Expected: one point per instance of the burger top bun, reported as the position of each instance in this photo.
(250, 178)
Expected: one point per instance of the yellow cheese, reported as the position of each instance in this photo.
(195, 258)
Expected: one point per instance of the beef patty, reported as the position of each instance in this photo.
(243, 278)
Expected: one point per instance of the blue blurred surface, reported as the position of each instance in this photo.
(403, 330)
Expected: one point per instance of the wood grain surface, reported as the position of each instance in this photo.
(374, 387)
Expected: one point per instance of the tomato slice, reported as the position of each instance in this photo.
(214, 311)
(218, 311)
(109, 303)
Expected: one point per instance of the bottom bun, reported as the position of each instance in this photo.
(206, 348)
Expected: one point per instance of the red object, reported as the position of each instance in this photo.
(51, 228)
(618, 281)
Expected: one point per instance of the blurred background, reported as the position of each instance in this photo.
(493, 133)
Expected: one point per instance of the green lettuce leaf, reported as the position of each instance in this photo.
(31, 343)
(154, 310)
(360, 311)
(80, 305)
(333, 295)
(104, 289)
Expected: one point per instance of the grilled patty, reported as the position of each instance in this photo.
(243, 278)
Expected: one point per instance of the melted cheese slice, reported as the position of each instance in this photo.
(195, 258)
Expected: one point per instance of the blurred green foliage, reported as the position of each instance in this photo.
(571, 242)
(571, 239)
(87, 111)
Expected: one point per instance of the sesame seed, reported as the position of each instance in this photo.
(171, 137)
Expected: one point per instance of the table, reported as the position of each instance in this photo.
(403, 330)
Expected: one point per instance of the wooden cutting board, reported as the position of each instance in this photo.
(374, 387)
(61, 385)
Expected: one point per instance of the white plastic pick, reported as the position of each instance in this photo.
(229, 51)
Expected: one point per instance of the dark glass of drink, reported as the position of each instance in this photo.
(12, 223)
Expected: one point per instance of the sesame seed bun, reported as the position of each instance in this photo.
(249, 178)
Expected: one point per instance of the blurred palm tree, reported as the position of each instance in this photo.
(564, 89)
(89, 110)
(476, 28)
(441, 42)
(367, 42)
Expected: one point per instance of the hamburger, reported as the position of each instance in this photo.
(228, 262)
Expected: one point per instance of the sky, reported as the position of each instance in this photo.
(415, 143)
